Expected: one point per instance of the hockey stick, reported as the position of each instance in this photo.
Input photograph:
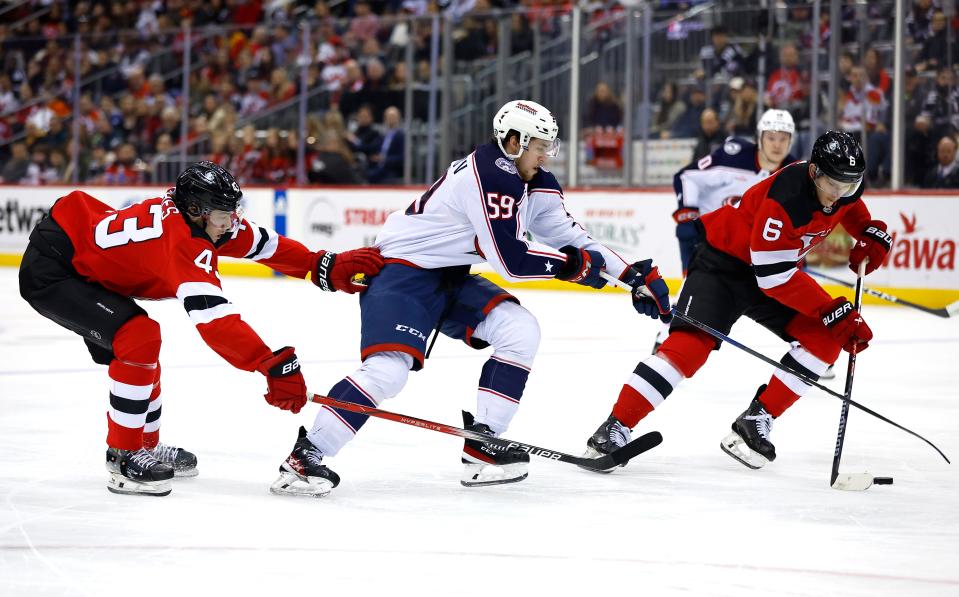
(808, 380)
(849, 481)
(619, 457)
(946, 312)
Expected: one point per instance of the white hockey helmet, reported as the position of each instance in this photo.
(530, 120)
(776, 120)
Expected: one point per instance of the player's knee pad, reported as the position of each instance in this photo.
(687, 350)
(138, 341)
(815, 338)
(383, 374)
(512, 331)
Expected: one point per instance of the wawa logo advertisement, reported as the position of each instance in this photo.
(915, 249)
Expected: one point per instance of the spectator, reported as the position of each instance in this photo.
(16, 167)
(668, 111)
(876, 73)
(913, 93)
(918, 155)
(945, 174)
(388, 163)
(328, 164)
(365, 139)
(935, 48)
(919, 19)
(720, 58)
(603, 109)
(687, 125)
(943, 101)
(861, 107)
(56, 169)
(364, 24)
(787, 89)
(125, 169)
(710, 134)
(742, 118)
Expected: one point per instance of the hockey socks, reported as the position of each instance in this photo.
(784, 388)
(501, 386)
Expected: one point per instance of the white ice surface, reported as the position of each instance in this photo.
(684, 519)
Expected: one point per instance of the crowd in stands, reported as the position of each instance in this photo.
(245, 82)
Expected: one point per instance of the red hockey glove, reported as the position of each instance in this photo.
(644, 273)
(348, 271)
(874, 244)
(846, 325)
(286, 387)
(582, 267)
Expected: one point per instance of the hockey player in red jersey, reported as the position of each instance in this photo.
(85, 263)
(749, 264)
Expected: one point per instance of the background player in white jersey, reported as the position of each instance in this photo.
(480, 209)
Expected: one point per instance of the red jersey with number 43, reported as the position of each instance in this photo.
(150, 250)
(777, 222)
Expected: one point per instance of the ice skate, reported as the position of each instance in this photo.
(303, 472)
(611, 436)
(182, 461)
(486, 465)
(829, 374)
(137, 472)
(749, 441)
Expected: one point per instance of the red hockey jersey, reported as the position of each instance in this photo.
(149, 250)
(777, 222)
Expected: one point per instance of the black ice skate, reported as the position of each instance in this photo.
(137, 472)
(182, 461)
(303, 472)
(486, 465)
(611, 436)
(749, 442)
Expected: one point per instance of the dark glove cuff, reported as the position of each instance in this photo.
(323, 271)
(574, 261)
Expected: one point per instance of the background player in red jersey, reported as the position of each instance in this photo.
(86, 262)
(748, 264)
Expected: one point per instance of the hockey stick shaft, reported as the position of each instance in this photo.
(808, 380)
(946, 312)
(621, 456)
(850, 372)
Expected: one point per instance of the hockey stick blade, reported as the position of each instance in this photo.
(952, 309)
(639, 445)
(853, 481)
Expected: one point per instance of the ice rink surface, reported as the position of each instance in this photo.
(683, 519)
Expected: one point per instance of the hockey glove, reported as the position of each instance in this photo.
(347, 271)
(644, 273)
(582, 267)
(846, 325)
(687, 233)
(286, 388)
(874, 243)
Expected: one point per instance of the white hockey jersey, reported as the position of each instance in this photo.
(482, 210)
(722, 177)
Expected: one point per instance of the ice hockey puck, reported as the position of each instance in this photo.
(882, 480)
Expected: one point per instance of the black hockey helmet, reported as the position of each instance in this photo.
(839, 156)
(204, 187)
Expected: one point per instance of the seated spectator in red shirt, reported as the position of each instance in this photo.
(124, 169)
(787, 89)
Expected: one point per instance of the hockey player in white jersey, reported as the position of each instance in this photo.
(480, 209)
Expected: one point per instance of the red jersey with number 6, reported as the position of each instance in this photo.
(777, 222)
(150, 250)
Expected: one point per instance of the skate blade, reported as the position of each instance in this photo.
(480, 475)
(737, 448)
(592, 452)
(293, 484)
(121, 485)
(185, 473)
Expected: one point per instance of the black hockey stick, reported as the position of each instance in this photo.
(808, 380)
(619, 457)
(849, 481)
(946, 312)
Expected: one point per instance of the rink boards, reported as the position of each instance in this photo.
(636, 223)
